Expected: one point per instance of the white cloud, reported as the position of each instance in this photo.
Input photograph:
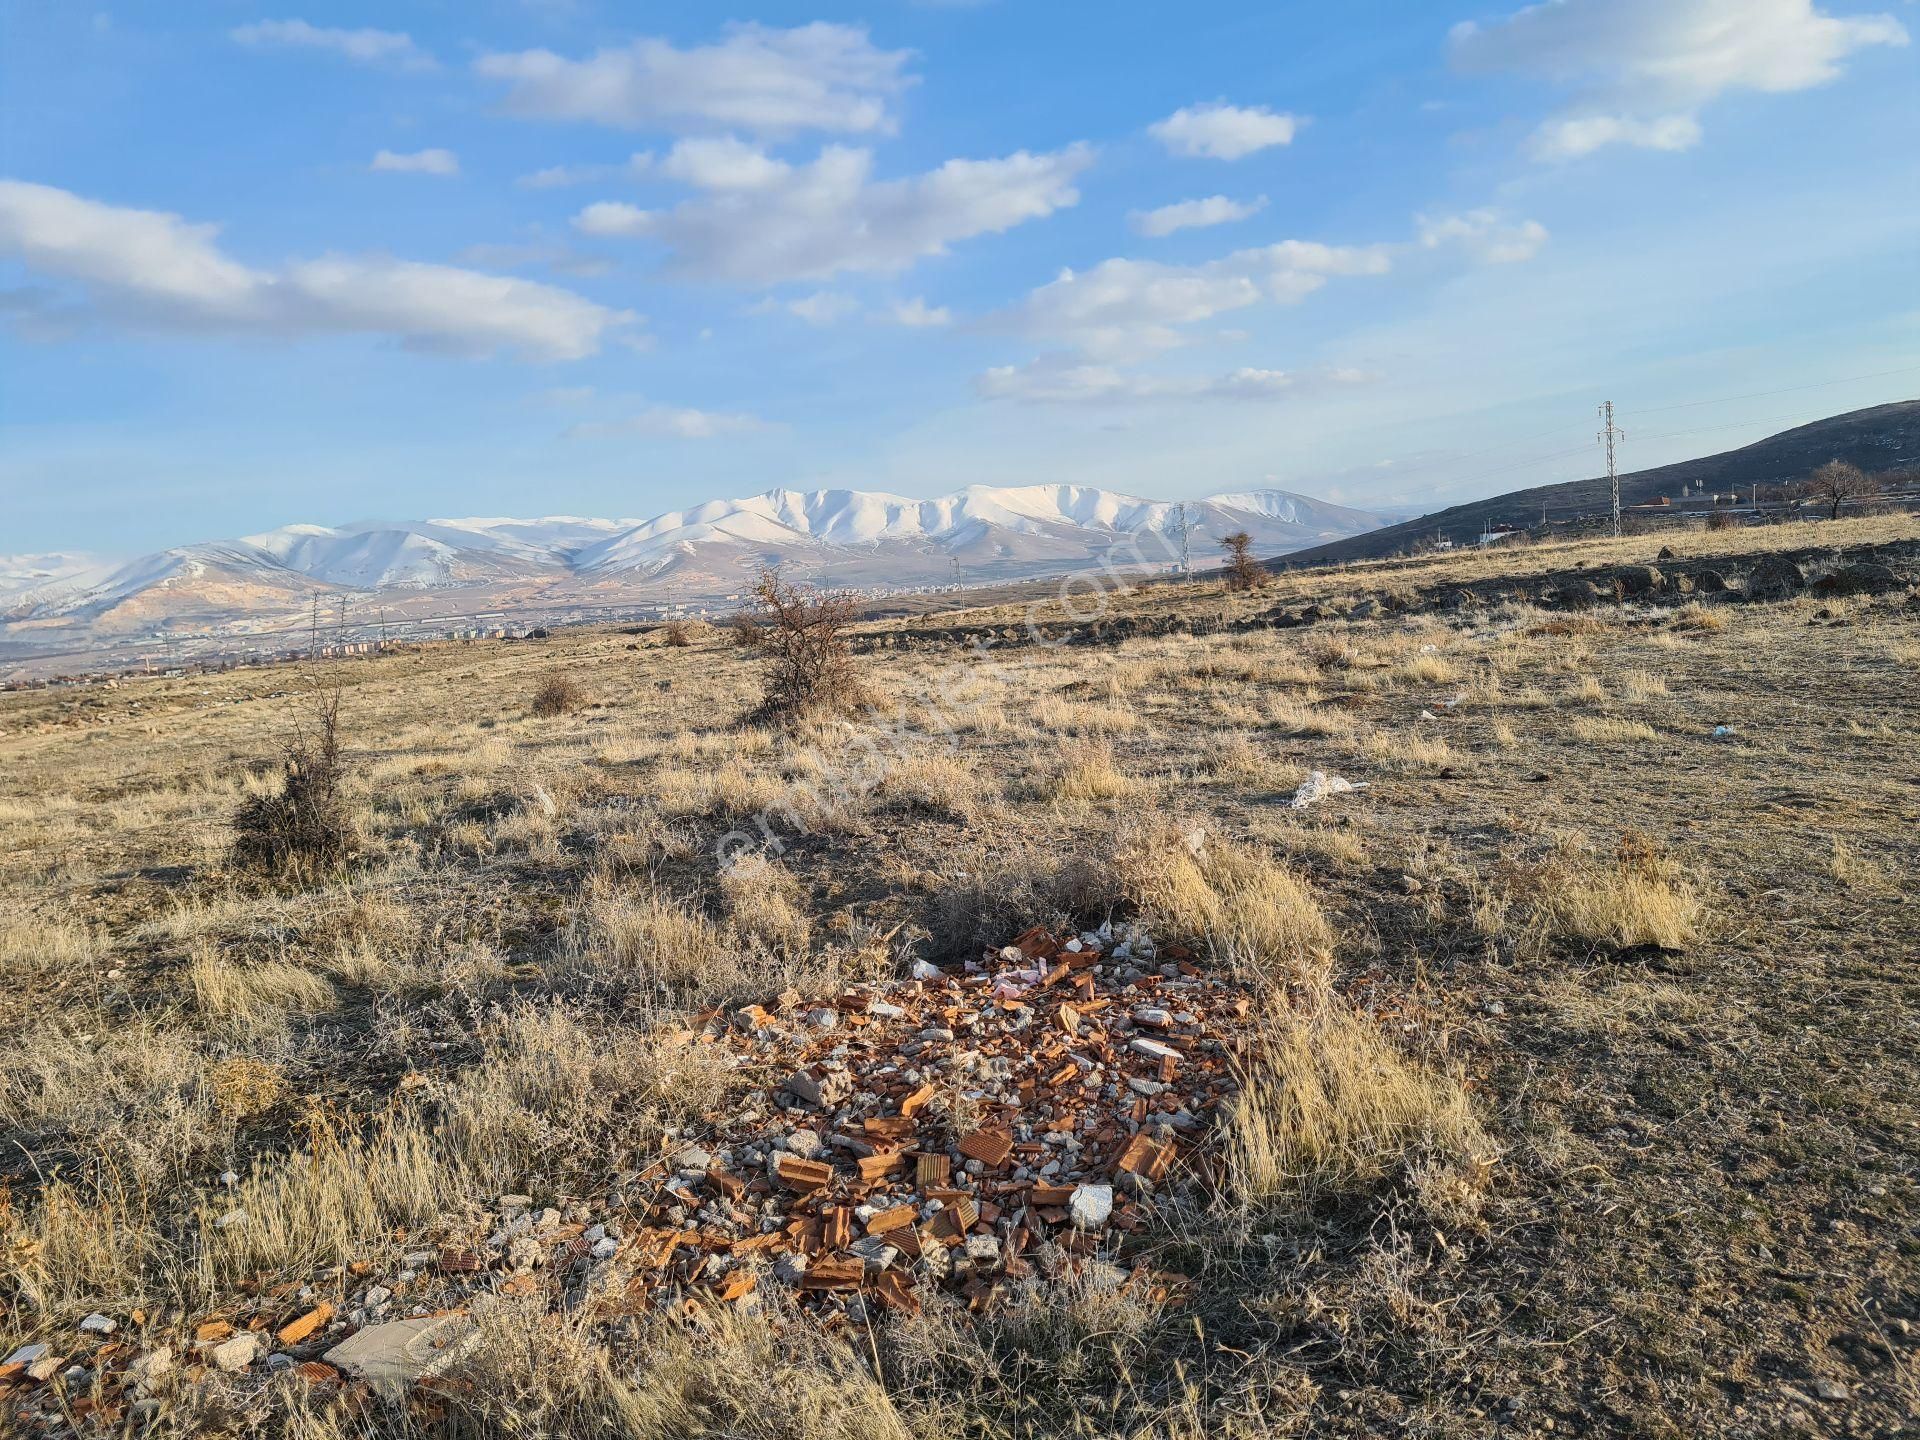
(1062, 380)
(1128, 308)
(757, 78)
(418, 162)
(722, 163)
(812, 221)
(156, 269)
(556, 177)
(1223, 132)
(673, 423)
(367, 47)
(1570, 136)
(916, 314)
(823, 307)
(1642, 69)
(1485, 234)
(1194, 214)
(615, 218)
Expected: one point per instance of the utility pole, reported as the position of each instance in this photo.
(1607, 436)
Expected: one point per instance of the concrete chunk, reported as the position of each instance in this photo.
(393, 1356)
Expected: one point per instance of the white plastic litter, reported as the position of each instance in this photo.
(1318, 786)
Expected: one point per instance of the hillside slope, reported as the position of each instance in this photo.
(1883, 437)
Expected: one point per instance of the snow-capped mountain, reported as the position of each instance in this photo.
(1026, 522)
(839, 537)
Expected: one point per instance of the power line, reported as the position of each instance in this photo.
(1450, 462)
(1787, 390)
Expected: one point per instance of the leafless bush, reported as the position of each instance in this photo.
(743, 629)
(811, 667)
(558, 694)
(1723, 520)
(1243, 571)
(305, 826)
(677, 635)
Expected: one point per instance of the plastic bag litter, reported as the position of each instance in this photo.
(1318, 786)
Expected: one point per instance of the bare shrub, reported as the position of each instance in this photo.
(303, 828)
(1243, 571)
(811, 670)
(743, 629)
(559, 692)
(1723, 520)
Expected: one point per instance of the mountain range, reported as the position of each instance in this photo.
(708, 552)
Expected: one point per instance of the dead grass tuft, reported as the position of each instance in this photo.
(1331, 1107)
(1252, 913)
(1638, 897)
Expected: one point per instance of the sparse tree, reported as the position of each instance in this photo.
(803, 635)
(1243, 571)
(1835, 483)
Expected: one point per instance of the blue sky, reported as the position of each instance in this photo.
(336, 262)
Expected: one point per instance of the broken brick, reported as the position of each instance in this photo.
(989, 1147)
(294, 1331)
(803, 1175)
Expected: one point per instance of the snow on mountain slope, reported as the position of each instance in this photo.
(24, 574)
(1287, 508)
(431, 553)
(844, 537)
(849, 518)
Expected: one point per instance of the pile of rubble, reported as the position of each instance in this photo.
(977, 1132)
(948, 1131)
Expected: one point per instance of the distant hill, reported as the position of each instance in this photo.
(1884, 437)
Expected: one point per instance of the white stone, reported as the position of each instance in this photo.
(98, 1324)
(1153, 1049)
(236, 1354)
(804, 1143)
(1090, 1206)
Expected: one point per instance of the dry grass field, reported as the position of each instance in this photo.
(1584, 1100)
